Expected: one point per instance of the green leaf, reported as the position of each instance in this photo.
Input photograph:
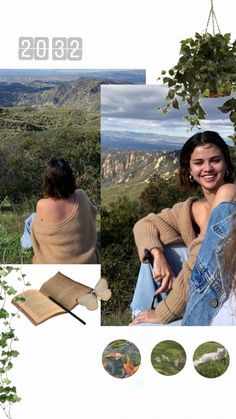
(231, 103)
(206, 92)
(22, 299)
(232, 117)
(175, 104)
(223, 109)
(6, 381)
(11, 291)
(166, 80)
(3, 313)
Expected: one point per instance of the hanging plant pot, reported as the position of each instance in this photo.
(206, 69)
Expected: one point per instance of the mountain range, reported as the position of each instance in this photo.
(130, 140)
(58, 75)
(83, 93)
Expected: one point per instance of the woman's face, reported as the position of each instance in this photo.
(207, 166)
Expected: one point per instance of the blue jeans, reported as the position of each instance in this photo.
(209, 291)
(176, 255)
(25, 239)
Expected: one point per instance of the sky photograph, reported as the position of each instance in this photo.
(134, 110)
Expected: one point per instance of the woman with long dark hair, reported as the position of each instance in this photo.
(204, 162)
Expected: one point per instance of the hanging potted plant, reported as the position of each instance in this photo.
(206, 69)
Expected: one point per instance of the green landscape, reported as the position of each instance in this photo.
(30, 136)
(48, 114)
(168, 357)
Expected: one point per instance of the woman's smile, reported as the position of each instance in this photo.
(207, 166)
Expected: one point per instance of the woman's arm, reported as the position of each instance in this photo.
(156, 230)
(172, 308)
(152, 232)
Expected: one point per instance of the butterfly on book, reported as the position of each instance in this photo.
(100, 292)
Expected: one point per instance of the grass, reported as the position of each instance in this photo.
(11, 229)
(117, 318)
(210, 369)
(111, 194)
(168, 357)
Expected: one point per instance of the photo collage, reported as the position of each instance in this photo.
(118, 212)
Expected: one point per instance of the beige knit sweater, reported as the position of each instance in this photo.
(73, 240)
(170, 226)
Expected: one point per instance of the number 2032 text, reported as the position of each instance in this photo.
(58, 48)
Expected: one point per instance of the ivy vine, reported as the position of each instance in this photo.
(8, 392)
(206, 68)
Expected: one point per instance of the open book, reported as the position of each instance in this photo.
(40, 305)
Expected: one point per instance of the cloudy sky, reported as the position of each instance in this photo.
(134, 108)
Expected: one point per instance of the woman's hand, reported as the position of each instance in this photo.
(147, 316)
(161, 271)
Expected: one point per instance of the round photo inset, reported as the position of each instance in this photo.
(168, 357)
(211, 359)
(121, 358)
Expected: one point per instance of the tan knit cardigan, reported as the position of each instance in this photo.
(73, 240)
(170, 226)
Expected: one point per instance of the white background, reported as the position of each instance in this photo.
(116, 34)
(59, 373)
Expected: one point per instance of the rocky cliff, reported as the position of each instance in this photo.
(119, 166)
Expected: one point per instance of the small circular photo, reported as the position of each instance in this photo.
(211, 359)
(121, 358)
(168, 357)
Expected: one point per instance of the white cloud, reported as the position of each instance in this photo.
(135, 108)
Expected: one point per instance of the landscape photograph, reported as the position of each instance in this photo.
(47, 114)
(140, 146)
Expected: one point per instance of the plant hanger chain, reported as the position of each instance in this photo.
(212, 16)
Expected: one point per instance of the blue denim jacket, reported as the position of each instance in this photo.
(208, 288)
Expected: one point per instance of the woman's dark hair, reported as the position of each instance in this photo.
(59, 180)
(206, 137)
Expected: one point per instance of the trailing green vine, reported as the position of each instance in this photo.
(206, 68)
(8, 392)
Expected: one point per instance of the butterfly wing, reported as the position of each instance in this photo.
(102, 290)
(89, 301)
(105, 295)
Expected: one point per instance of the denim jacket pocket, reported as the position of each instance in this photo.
(198, 281)
(203, 301)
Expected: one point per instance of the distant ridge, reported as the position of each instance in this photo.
(142, 141)
(83, 93)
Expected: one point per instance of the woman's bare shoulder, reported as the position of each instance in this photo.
(44, 204)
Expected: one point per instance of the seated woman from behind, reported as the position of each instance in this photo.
(64, 229)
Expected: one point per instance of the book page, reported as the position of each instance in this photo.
(64, 290)
(37, 307)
